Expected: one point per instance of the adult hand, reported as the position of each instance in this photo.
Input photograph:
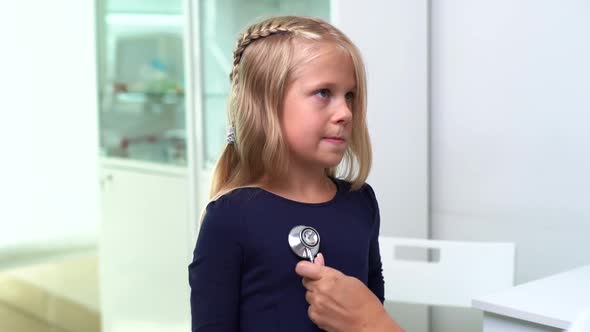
(339, 303)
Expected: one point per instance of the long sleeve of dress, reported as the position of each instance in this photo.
(375, 281)
(215, 272)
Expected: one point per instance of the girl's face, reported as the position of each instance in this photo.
(316, 118)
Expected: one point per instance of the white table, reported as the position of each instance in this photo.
(548, 304)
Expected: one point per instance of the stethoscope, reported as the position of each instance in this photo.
(305, 242)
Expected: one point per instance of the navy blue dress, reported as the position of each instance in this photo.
(243, 278)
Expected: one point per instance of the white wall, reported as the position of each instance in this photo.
(48, 131)
(510, 129)
(393, 39)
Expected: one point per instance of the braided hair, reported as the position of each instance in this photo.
(276, 25)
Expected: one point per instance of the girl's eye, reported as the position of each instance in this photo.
(350, 96)
(323, 93)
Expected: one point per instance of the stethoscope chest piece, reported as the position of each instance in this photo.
(304, 241)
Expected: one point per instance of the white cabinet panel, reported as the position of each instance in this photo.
(144, 250)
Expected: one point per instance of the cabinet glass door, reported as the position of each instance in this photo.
(141, 80)
(220, 23)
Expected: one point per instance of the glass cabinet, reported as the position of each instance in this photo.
(141, 80)
(142, 72)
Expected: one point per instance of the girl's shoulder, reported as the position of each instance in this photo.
(364, 193)
(369, 194)
(346, 186)
(234, 200)
(228, 211)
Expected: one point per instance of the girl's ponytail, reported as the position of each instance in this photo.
(224, 171)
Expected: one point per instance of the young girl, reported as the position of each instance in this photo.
(297, 113)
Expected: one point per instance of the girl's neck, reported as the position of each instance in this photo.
(303, 187)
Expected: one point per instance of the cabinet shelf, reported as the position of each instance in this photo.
(144, 19)
(143, 166)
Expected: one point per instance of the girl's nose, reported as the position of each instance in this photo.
(344, 112)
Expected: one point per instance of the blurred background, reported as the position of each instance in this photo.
(113, 113)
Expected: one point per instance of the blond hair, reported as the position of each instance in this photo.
(264, 62)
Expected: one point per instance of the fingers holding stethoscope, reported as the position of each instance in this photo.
(317, 276)
(319, 260)
(311, 272)
(320, 282)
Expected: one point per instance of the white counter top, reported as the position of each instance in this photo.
(553, 301)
